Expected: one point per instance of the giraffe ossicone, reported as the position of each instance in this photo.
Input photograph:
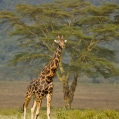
(58, 41)
(42, 86)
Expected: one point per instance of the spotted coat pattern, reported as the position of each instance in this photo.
(42, 86)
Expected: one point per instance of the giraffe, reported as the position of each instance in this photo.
(42, 86)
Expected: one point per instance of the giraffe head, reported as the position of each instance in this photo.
(61, 41)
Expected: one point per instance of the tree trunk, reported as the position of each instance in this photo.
(72, 88)
(69, 91)
(66, 92)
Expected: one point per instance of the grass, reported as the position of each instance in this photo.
(60, 113)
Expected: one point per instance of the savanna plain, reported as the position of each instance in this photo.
(91, 101)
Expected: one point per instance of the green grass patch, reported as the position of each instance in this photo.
(87, 114)
(60, 113)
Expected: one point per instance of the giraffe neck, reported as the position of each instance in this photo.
(57, 54)
(48, 71)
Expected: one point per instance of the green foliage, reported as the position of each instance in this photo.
(85, 26)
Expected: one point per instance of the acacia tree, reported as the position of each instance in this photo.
(88, 27)
(85, 26)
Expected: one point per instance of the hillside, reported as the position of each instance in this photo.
(10, 4)
(100, 2)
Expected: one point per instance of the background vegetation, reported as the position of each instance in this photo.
(8, 46)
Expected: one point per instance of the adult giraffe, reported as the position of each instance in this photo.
(43, 85)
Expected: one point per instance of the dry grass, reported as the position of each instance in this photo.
(93, 96)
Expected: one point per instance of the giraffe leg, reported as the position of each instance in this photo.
(24, 112)
(49, 98)
(27, 99)
(32, 109)
(38, 103)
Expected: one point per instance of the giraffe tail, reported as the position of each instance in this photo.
(22, 108)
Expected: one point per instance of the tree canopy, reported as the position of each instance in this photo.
(9, 4)
(84, 25)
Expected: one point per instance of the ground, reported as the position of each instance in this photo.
(87, 96)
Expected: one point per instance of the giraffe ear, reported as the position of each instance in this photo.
(56, 41)
(58, 37)
(65, 41)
